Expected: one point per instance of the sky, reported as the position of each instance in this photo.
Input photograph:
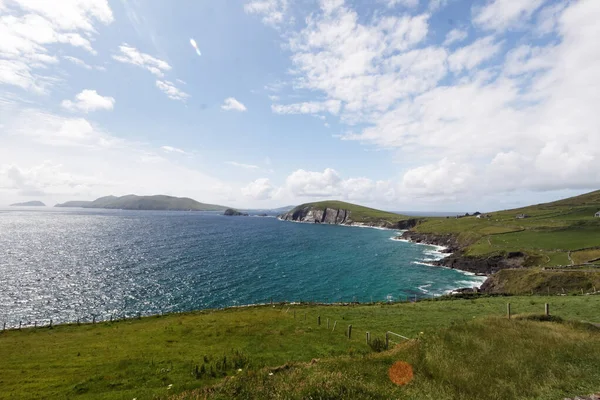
(432, 105)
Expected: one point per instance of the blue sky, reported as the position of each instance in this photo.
(397, 104)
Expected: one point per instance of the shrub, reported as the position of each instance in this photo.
(377, 345)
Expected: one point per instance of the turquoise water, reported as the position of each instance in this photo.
(67, 264)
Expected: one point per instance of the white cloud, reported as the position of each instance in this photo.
(404, 3)
(131, 55)
(38, 157)
(52, 130)
(472, 55)
(29, 28)
(355, 63)
(272, 11)
(43, 179)
(241, 165)
(260, 189)
(455, 35)
(195, 46)
(77, 61)
(171, 149)
(231, 104)
(171, 90)
(314, 107)
(500, 15)
(89, 100)
(314, 184)
(522, 120)
(549, 17)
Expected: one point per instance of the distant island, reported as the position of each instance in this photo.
(234, 213)
(34, 203)
(156, 203)
(342, 213)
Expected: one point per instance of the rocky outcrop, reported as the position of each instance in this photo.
(338, 216)
(234, 213)
(459, 260)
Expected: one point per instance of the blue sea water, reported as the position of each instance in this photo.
(65, 264)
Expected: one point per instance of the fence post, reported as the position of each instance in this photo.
(334, 324)
(319, 320)
(93, 319)
(508, 310)
(547, 309)
(387, 340)
(50, 323)
(581, 291)
(349, 331)
(139, 315)
(368, 338)
(19, 325)
(35, 324)
(4, 327)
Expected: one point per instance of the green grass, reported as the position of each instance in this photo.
(534, 280)
(483, 359)
(358, 213)
(549, 234)
(140, 358)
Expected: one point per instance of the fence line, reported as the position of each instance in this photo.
(114, 317)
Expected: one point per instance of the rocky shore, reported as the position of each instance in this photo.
(459, 260)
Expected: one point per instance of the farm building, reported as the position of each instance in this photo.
(597, 214)
(522, 216)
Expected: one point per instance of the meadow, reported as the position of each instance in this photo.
(200, 354)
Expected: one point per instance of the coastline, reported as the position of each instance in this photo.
(441, 252)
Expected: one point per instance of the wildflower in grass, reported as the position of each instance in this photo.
(270, 374)
(170, 386)
(239, 370)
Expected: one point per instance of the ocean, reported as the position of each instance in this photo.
(70, 264)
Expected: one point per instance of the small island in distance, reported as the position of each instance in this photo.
(34, 203)
(156, 203)
(234, 213)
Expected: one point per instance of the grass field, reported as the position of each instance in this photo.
(141, 358)
(550, 233)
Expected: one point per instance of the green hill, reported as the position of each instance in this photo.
(34, 203)
(459, 349)
(562, 232)
(342, 213)
(133, 202)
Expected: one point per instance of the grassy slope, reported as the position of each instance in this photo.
(158, 202)
(140, 358)
(482, 359)
(553, 232)
(359, 213)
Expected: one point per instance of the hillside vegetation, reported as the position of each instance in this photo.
(359, 213)
(133, 202)
(461, 350)
(563, 232)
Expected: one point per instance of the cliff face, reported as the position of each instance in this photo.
(336, 216)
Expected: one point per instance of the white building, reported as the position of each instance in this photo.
(597, 214)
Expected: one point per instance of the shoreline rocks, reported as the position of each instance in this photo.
(459, 260)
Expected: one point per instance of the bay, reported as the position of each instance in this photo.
(69, 264)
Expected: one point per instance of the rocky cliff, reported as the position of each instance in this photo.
(339, 216)
(460, 260)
